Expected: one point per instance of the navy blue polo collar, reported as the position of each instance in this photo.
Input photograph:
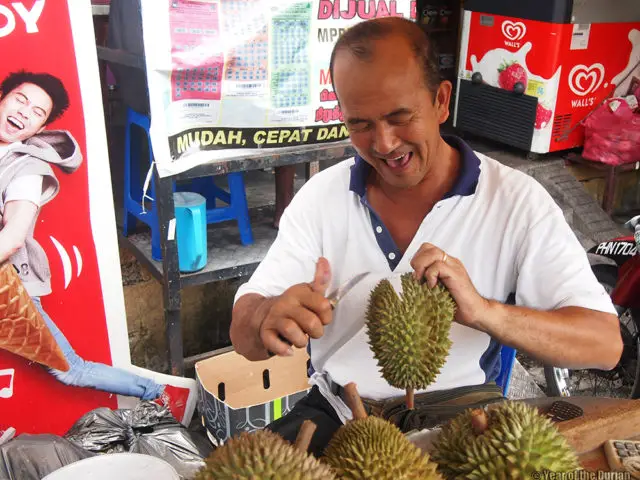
(466, 182)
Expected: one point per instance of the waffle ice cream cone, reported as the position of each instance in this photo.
(22, 328)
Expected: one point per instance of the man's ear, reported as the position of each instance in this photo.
(443, 99)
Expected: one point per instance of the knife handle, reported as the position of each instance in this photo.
(271, 354)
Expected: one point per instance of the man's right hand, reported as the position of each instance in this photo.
(300, 312)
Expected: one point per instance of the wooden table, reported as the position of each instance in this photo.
(612, 173)
(594, 459)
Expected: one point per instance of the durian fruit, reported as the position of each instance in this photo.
(409, 335)
(265, 455)
(508, 441)
(373, 448)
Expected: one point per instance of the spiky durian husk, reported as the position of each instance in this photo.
(373, 448)
(262, 455)
(517, 442)
(409, 335)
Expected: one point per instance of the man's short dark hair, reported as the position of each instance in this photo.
(50, 84)
(358, 40)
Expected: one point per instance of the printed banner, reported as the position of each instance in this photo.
(229, 78)
(63, 335)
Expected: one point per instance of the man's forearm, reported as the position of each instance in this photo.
(570, 337)
(248, 314)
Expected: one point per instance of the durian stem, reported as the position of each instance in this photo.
(303, 440)
(410, 399)
(479, 421)
(354, 402)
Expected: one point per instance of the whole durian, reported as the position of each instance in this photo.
(262, 455)
(409, 335)
(509, 441)
(373, 448)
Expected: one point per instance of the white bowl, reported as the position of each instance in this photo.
(121, 466)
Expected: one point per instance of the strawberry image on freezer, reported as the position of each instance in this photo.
(543, 116)
(511, 73)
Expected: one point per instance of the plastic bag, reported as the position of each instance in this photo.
(149, 429)
(612, 134)
(32, 457)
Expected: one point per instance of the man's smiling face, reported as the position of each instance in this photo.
(23, 113)
(393, 118)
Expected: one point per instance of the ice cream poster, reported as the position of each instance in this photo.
(63, 336)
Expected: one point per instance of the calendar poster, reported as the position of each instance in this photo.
(64, 347)
(230, 78)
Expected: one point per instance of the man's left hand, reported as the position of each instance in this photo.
(433, 264)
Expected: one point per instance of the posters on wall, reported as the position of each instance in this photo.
(58, 242)
(231, 78)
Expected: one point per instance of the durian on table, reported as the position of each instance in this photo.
(510, 440)
(409, 334)
(265, 455)
(373, 448)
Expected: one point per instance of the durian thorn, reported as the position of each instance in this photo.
(354, 402)
(479, 421)
(305, 434)
(410, 399)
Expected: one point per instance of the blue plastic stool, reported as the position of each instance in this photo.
(507, 359)
(236, 199)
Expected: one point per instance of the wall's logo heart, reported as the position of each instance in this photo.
(514, 31)
(584, 80)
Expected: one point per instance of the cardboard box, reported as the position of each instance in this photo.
(238, 395)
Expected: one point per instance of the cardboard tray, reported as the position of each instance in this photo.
(239, 395)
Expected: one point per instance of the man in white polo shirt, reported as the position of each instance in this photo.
(414, 201)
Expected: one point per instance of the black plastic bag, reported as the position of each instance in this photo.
(149, 429)
(32, 457)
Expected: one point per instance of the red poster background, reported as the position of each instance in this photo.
(40, 403)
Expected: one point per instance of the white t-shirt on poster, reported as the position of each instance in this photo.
(26, 187)
(4, 149)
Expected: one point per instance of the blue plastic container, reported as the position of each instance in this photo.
(191, 230)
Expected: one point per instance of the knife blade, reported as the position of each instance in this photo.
(339, 293)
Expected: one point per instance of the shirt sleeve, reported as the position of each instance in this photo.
(553, 268)
(25, 187)
(293, 255)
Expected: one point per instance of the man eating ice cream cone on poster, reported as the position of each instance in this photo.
(30, 156)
